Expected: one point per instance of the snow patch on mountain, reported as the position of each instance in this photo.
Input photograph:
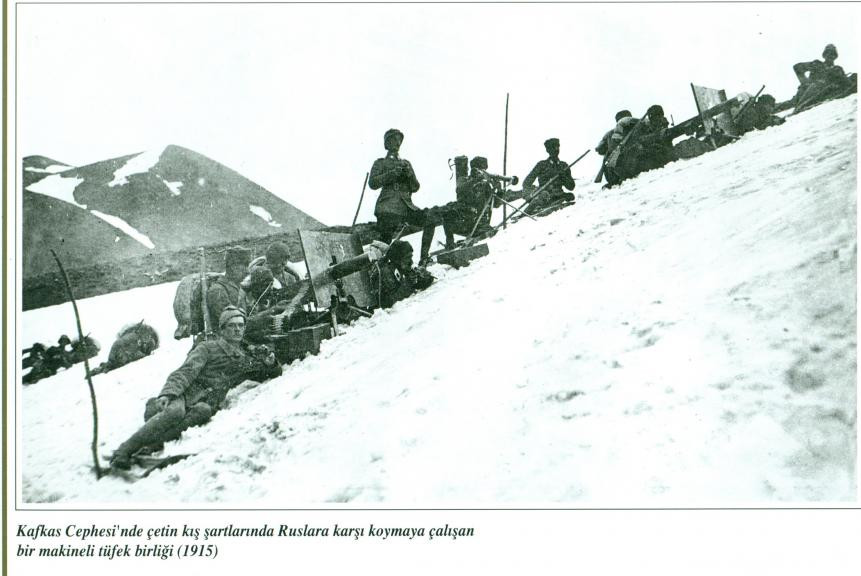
(265, 215)
(173, 186)
(137, 164)
(59, 187)
(124, 226)
(53, 169)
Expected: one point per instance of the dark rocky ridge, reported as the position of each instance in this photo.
(153, 268)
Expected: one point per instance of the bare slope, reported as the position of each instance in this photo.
(686, 339)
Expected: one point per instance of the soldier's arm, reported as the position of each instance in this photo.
(181, 378)
(260, 371)
(382, 173)
(601, 148)
(802, 68)
(529, 181)
(411, 177)
(566, 178)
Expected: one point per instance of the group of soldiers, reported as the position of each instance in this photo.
(46, 361)
(254, 301)
(634, 146)
(257, 299)
(477, 193)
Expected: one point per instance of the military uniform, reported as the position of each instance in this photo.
(554, 171)
(820, 81)
(757, 116)
(223, 293)
(392, 284)
(195, 391)
(397, 182)
(473, 194)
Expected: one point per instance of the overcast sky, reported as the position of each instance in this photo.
(297, 97)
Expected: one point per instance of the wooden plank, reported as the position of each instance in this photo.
(462, 256)
(321, 250)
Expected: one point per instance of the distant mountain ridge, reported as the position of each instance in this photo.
(157, 201)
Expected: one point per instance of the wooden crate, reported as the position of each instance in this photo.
(302, 341)
(462, 256)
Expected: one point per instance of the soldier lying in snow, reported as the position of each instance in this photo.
(395, 278)
(821, 80)
(196, 390)
(639, 145)
(44, 363)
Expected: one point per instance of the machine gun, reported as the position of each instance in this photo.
(691, 125)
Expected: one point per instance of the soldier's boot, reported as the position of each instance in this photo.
(159, 428)
(427, 240)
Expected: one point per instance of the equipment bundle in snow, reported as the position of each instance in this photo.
(188, 305)
(133, 342)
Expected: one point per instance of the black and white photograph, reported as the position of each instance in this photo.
(432, 256)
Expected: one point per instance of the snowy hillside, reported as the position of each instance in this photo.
(688, 338)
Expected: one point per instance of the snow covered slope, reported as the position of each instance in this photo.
(688, 338)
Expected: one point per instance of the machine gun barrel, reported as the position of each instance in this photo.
(691, 124)
(513, 180)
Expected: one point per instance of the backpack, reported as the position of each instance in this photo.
(188, 304)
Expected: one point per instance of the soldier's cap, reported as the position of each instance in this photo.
(551, 142)
(38, 346)
(391, 133)
(236, 256)
(64, 339)
(230, 313)
(654, 110)
(766, 98)
(479, 162)
(277, 253)
(622, 114)
(399, 251)
(261, 277)
(830, 48)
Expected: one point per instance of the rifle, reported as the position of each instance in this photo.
(691, 124)
(600, 175)
(613, 158)
(749, 102)
(207, 325)
(541, 189)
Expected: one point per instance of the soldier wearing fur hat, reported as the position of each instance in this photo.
(545, 171)
(395, 178)
(195, 391)
(226, 290)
